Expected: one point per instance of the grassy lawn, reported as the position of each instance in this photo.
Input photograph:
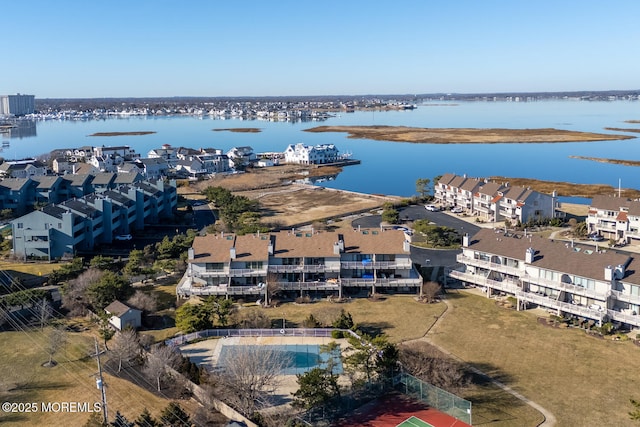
(36, 269)
(582, 380)
(24, 379)
(400, 317)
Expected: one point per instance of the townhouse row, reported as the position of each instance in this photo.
(369, 260)
(584, 281)
(22, 194)
(493, 201)
(615, 218)
(79, 224)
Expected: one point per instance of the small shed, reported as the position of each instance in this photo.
(123, 316)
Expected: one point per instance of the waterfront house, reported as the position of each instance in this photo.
(22, 168)
(494, 201)
(311, 154)
(587, 282)
(614, 218)
(298, 262)
(241, 156)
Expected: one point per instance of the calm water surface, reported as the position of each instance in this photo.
(391, 167)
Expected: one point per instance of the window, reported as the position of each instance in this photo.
(20, 225)
(254, 265)
(213, 266)
(548, 275)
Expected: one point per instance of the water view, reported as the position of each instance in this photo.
(387, 167)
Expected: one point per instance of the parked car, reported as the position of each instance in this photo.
(456, 209)
(199, 203)
(596, 238)
(124, 237)
(432, 208)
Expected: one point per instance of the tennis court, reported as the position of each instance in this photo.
(414, 422)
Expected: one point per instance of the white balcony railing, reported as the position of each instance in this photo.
(631, 319)
(621, 296)
(514, 271)
(480, 280)
(375, 265)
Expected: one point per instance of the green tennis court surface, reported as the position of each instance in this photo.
(414, 422)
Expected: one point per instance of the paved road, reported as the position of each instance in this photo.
(422, 256)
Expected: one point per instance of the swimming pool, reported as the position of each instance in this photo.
(300, 357)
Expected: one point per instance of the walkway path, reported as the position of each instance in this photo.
(549, 418)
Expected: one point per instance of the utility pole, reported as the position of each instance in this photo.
(100, 385)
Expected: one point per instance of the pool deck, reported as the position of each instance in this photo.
(207, 353)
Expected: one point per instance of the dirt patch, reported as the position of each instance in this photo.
(297, 204)
(467, 135)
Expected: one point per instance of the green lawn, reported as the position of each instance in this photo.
(23, 379)
(582, 380)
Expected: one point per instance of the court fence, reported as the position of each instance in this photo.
(227, 333)
(433, 396)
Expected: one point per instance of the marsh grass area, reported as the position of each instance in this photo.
(135, 133)
(612, 161)
(467, 135)
(568, 189)
(239, 130)
(582, 380)
(624, 129)
(24, 379)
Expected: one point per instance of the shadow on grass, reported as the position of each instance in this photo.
(492, 373)
(373, 329)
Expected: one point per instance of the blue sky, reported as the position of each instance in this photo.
(128, 48)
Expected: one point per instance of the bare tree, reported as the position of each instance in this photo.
(74, 293)
(251, 319)
(43, 311)
(126, 347)
(430, 290)
(252, 376)
(426, 362)
(143, 301)
(158, 360)
(56, 340)
(272, 289)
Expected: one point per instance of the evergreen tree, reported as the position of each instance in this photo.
(121, 421)
(146, 420)
(173, 415)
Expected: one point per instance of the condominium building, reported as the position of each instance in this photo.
(494, 201)
(372, 260)
(60, 230)
(17, 105)
(589, 282)
(615, 218)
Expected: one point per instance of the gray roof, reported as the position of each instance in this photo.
(46, 181)
(103, 178)
(76, 180)
(82, 208)
(583, 261)
(15, 184)
(127, 178)
(53, 210)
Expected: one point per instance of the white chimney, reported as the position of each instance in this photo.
(608, 273)
(406, 246)
(191, 253)
(232, 253)
(529, 255)
(270, 248)
(466, 240)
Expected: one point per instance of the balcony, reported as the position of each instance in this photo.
(509, 286)
(566, 307)
(514, 271)
(319, 268)
(309, 286)
(631, 319)
(225, 290)
(567, 287)
(375, 265)
(621, 296)
(390, 283)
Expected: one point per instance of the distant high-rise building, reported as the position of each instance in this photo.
(17, 105)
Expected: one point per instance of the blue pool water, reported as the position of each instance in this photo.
(300, 357)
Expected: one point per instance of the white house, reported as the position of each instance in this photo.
(123, 316)
(245, 154)
(615, 218)
(311, 155)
